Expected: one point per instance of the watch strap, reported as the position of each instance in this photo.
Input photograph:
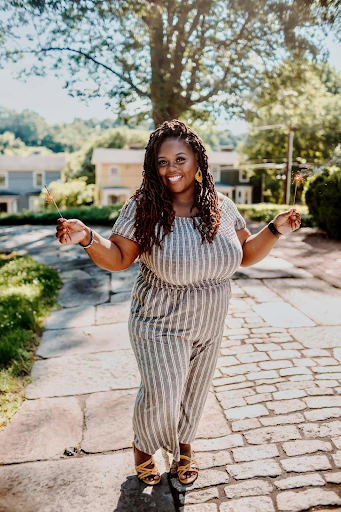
(273, 230)
(91, 240)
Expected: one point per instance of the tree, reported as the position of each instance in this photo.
(308, 98)
(10, 145)
(174, 56)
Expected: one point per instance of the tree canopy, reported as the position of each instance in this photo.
(307, 98)
(164, 58)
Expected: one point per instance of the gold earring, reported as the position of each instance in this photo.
(198, 175)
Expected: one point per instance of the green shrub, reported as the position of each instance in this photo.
(95, 215)
(323, 197)
(28, 290)
(72, 193)
(264, 212)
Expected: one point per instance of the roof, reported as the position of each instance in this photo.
(136, 156)
(7, 193)
(54, 162)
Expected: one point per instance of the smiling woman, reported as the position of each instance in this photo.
(190, 240)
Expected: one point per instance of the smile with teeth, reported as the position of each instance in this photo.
(174, 179)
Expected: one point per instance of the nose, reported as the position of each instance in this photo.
(173, 166)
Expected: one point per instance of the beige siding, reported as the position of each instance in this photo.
(131, 175)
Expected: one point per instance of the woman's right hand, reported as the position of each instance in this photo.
(71, 231)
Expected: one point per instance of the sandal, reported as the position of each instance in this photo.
(191, 466)
(143, 472)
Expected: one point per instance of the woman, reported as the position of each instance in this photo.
(189, 240)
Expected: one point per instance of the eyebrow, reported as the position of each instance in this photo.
(181, 153)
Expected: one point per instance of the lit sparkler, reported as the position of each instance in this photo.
(300, 177)
(50, 196)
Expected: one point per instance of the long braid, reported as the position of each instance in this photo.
(154, 202)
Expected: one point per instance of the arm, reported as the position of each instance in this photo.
(256, 247)
(113, 254)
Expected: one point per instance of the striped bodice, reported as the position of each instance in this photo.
(183, 261)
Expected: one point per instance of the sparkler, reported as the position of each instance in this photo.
(50, 196)
(300, 177)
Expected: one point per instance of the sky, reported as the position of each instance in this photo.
(46, 96)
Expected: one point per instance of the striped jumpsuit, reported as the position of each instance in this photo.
(178, 307)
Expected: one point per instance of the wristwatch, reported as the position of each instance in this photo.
(91, 240)
(273, 230)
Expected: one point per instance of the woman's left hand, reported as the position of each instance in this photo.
(287, 221)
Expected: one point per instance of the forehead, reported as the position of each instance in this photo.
(174, 145)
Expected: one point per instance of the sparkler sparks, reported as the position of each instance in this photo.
(300, 177)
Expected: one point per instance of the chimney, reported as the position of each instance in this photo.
(135, 146)
(226, 148)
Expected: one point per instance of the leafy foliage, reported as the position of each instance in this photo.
(306, 97)
(94, 215)
(263, 212)
(28, 290)
(175, 56)
(71, 193)
(323, 197)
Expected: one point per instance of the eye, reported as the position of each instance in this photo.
(162, 161)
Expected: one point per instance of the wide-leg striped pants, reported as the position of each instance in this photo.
(176, 341)
(176, 377)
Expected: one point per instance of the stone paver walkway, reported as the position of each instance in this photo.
(270, 435)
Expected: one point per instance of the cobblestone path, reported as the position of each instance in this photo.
(270, 435)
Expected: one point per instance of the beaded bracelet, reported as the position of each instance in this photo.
(91, 240)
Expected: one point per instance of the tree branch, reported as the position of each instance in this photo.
(98, 63)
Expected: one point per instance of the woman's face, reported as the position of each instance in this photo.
(177, 165)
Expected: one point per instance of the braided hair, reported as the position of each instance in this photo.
(154, 202)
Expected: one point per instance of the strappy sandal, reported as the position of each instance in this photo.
(143, 472)
(191, 466)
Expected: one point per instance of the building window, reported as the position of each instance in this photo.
(244, 176)
(114, 174)
(38, 179)
(215, 170)
(3, 179)
(112, 199)
(3, 207)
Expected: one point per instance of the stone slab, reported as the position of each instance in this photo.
(124, 283)
(41, 430)
(84, 292)
(81, 374)
(119, 298)
(113, 313)
(213, 422)
(80, 316)
(318, 337)
(108, 420)
(281, 314)
(86, 340)
(101, 483)
(74, 274)
(315, 298)
(257, 290)
(254, 504)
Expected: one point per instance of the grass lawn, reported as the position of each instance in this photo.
(28, 290)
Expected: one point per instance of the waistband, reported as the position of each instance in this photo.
(147, 275)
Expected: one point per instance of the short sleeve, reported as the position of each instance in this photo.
(239, 221)
(125, 222)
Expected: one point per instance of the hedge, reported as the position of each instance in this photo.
(323, 198)
(107, 215)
